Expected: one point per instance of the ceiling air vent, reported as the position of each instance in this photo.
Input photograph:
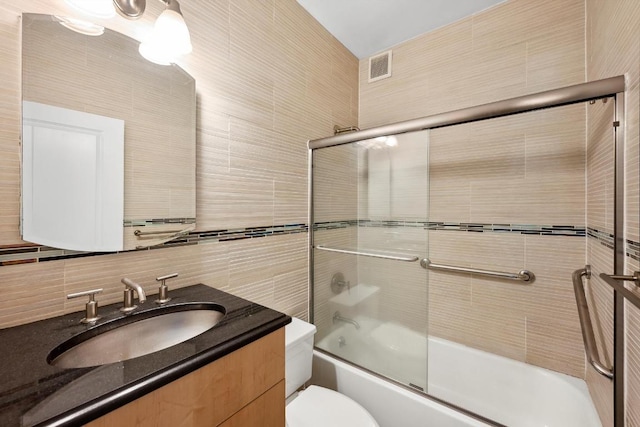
(380, 66)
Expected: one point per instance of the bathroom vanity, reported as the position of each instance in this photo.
(230, 375)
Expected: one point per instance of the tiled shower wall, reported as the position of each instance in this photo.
(520, 172)
(268, 78)
(613, 48)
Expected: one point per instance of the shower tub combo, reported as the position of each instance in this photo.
(369, 204)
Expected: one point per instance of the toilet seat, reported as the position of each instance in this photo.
(321, 407)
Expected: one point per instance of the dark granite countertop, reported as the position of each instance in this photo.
(34, 393)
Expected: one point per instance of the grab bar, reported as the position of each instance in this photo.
(524, 275)
(375, 254)
(146, 234)
(588, 337)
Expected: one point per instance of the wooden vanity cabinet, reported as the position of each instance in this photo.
(245, 388)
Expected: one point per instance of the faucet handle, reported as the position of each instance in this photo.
(163, 291)
(338, 283)
(91, 308)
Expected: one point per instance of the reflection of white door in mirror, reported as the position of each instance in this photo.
(72, 179)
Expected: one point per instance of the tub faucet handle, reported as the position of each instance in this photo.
(163, 291)
(338, 283)
(91, 308)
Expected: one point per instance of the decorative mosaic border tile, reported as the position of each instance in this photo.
(631, 249)
(545, 230)
(605, 239)
(541, 230)
(246, 233)
(26, 253)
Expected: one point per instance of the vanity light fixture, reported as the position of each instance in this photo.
(170, 37)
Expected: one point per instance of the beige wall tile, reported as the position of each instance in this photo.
(449, 293)
(394, 180)
(553, 345)
(31, 292)
(633, 363)
(335, 185)
(403, 287)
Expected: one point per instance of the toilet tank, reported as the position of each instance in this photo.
(298, 353)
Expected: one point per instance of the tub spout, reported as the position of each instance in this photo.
(338, 318)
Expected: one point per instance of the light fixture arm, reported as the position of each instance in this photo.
(172, 5)
(130, 9)
(133, 9)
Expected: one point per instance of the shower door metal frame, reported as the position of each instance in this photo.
(605, 88)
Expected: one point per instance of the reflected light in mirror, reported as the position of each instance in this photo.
(97, 8)
(170, 37)
(379, 142)
(82, 27)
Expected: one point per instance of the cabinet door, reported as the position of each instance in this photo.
(266, 411)
(212, 394)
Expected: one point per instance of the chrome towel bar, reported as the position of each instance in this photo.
(374, 254)
(524, 275)
(588, 336)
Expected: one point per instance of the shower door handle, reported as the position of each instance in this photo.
(374, 254)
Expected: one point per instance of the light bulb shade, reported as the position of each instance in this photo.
(171, 29)
(97, 8)
(169, 39)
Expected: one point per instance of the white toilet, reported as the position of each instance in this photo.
(315, 406)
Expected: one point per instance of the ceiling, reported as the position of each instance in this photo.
(366, 27)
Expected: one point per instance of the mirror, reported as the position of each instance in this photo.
(64, 67)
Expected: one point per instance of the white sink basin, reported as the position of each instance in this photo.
(136, 335)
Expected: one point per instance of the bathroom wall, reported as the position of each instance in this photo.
(268, 78)
(613, 48)
(505, 194)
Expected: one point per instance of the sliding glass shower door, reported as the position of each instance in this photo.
(370, 202)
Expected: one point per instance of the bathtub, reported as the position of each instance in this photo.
(509, 392)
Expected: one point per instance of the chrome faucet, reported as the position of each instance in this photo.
(131, 286)
(338, 318)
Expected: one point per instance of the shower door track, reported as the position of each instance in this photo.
(522, 104)
(590, 91)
